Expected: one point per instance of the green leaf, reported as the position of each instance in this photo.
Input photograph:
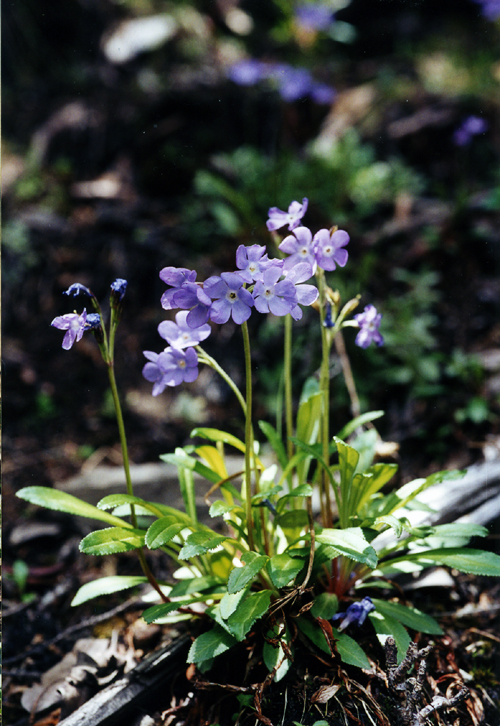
(386, 626)
(474, 562)
(274, 655)
(162, 532)
(312, 631)
(350, 652)
(105, 586)
(160, 611)
(293, 519)
(181, 459)
(200, 542)
(241, 576)
(214, 459)
(195, 584)
(325, 606)
(350, 542)
(409, 616)
(63, 502)
(216, 435)
(230, 602)
(210, 644)
(357, 422)
(112, 540)
(275, 440)
(283, 568)
(186, 486)
(253, 607)
(116, 500)
(457, 534)
(219, 508)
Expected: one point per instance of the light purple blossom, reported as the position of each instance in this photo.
(294, 83)
(314, 16)
(252, 261)
(471, 126)
(300, 248)
(185, 294)
(179, 334)
(369, 323)
(75, 326)
(328, 248)
(170, 368)
(247, 72)
(278, 219)
(274, 296)
(306, 294)
(322, 93)
(231, 299)
(356, 613)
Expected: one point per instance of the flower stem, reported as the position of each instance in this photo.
(287, 375)
(212, 363)
(324, 384)
(248, 434)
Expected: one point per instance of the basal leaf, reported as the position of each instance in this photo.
(220, 508)
(253, 607)
(230, 602)
(162, 532)
(214, 460)
(474, 562)
(349, 542)
(64, 502)
(313, 632)
(112, 540)
(274, 654)
(357, 422)
(210, 645)
(194, 584)
(217, 435)
(350, 652)
(180, 458)
(409, 616)
(241, 576)
(325, 606)
(275, 440)
(105, 586)
(116, 500)
(200, 542)
(160, 611)
(283, 568)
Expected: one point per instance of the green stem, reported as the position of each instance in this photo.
(212, 363)
(248, 434)
(287, 375)
(324, 384)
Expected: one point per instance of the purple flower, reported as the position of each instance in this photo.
(490, 8)
(300, 247)
(170, 368)
(278, 219)
(118, 289)
(231, 298)
(77, 289)
(252, 262)
(271, 296)
(356, 613)
(185, 294)
(75, 326)
(176, 277)
(246, 72)
(369, 323)
(306, 294)
(179, 334)
(328, 248)
(314, 16)
(472, 126)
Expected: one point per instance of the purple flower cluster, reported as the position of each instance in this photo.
(471, 126)
(325, 249)
(276, 286)
(292, 83)
(490, 8)
(369, 323)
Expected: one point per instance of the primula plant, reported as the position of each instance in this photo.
(297, 541)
